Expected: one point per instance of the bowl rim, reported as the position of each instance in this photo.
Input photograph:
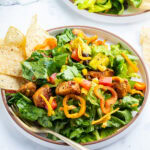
(93, 142)
(116, 15)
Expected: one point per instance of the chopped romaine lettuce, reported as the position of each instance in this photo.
(39, 66)
(68, 73)
(99, 49)
(64, 37)
(129, 102)
(107, 132)
(84, 4)
(101, 7)
(125, 115)
(14, 97)
(136, 3)
(91, 96)
(29, 111)
(107, 6)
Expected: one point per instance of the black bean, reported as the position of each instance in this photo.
(85, 55)
(125, 4)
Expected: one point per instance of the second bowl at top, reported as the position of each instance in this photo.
(127, 17)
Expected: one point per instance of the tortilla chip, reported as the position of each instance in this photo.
(10, 83)
(145, 5)
(35, 36)
(1, 42)
(145, 42)
(10, 58)
(146, 52)
(145, 35)
(16, 38)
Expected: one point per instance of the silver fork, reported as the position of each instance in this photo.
(35, 129)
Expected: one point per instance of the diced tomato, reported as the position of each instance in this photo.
(52, 78)
(86, 84)
(107, 81)
(74, 55)
(99, 42)
(10, 91)
(77, 32)
(54, 104)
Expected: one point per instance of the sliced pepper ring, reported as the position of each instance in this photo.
(118, 79)
(140, 86)
(50, 42)
(82, 109)
(106, 104)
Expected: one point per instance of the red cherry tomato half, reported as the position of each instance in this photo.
(107, 81)
(74, 55)
(86, 84)
(52, 78)
(54, 104)
(10, 91)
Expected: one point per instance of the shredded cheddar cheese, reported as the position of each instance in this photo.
(50, 110)
(105, 118)
(134, 91)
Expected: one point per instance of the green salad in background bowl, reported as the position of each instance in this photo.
(107, 6)
(111, 11)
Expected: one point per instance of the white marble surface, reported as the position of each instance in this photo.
(54, 13)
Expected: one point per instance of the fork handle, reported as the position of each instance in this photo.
(75, 145)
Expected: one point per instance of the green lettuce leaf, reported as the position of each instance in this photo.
(86, 138)
(117, 7)
(136, 3)
(29, 111)
(39, 67)
(14, 97)
(107, 132)
(69, 72)
(101, 7)
(91, 96)
(76, 133)
(61, 50)
(64, 37)
(45, 122)
(124, 115)
(115, 122)
(84, 4)
(99, 49)
(128, 102)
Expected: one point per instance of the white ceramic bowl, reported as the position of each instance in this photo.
(96, 144)
(127, 17)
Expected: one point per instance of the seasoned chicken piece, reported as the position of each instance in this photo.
(122, 88)
(70, 87)
(98, 74)
(45, 91)
(28, 89)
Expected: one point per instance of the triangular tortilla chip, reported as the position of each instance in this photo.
(35, 36)
(145, 35)
(11, 83)
(145, 42)
(10, 58)
(1, 42)
(145, 5)
(15, 38)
